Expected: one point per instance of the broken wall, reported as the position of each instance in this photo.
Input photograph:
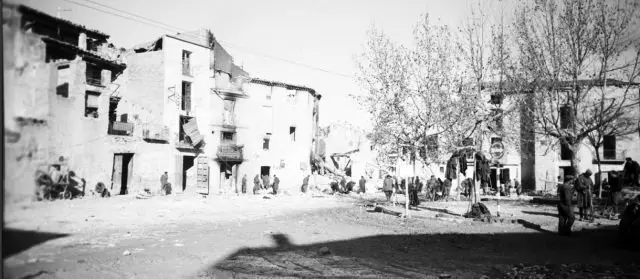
(27, 86)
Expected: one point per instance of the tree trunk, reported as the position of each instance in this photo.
(597, 148)
(574, 159)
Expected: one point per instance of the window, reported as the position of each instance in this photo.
(265, 143)
(182, 134)
(91, 99)
(228, 136)
(186, 96)
(609, 147)
(186, 63)
(566, 117)
(292, 133)
(62, 88)
(93, 75)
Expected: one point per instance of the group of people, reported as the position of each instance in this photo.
(583, 187)
(262, 183)
(435, 188)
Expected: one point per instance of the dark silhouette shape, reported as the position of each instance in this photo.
(417, 255)
(15, 241)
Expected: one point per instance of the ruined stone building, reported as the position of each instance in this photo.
(123, 117)
(222, 124)
(58, 79)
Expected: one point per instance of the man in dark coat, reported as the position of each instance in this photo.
(387, 187)
(305, 184)
(565, 207)
(362, 184)
(631, 172)
(165, 186)
(584, 186)
(244, 184)
(256, 184)
(276, 183)
(447, 188)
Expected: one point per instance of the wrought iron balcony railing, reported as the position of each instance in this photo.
(230, 152)
(121, 128)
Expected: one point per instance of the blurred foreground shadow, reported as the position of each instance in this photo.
(428, 255)
(15, 241)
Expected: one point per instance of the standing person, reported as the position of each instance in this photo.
(343, 184)
(447, 188)
(305, 184)
(631, 172)
(244, 183)
(432, 184)
(516, 184)
(565, 207)
(256, 184)
(387, 187)
(615, 192)
(584, 186)
(276, 183)
(413, 187)
(362, 183)
(165, 186)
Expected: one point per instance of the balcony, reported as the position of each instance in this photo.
(94, 81)
(229, 119)
(155, 133)
(120, 128)
(230, 152)
(610, 156)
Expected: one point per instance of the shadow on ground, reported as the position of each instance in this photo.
(540, 213)
(15, 241)
(416, 256)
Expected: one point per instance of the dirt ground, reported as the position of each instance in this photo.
(186, 236)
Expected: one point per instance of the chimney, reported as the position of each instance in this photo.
(82, 41)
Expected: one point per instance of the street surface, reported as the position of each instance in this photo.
(185, 236)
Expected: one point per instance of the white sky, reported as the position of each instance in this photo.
(324, 34)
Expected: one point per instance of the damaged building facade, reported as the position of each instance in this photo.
(123, 117)
(59, 77)
(222, 123)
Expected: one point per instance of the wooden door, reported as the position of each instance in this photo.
(202, 184)
(116, 176)
(129, 172)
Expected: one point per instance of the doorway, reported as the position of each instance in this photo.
(187, 163)
(265, 170)
(229, 176)
(122, 172)
(494, 179)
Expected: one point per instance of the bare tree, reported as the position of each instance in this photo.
(416, 93)
(576, 54)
